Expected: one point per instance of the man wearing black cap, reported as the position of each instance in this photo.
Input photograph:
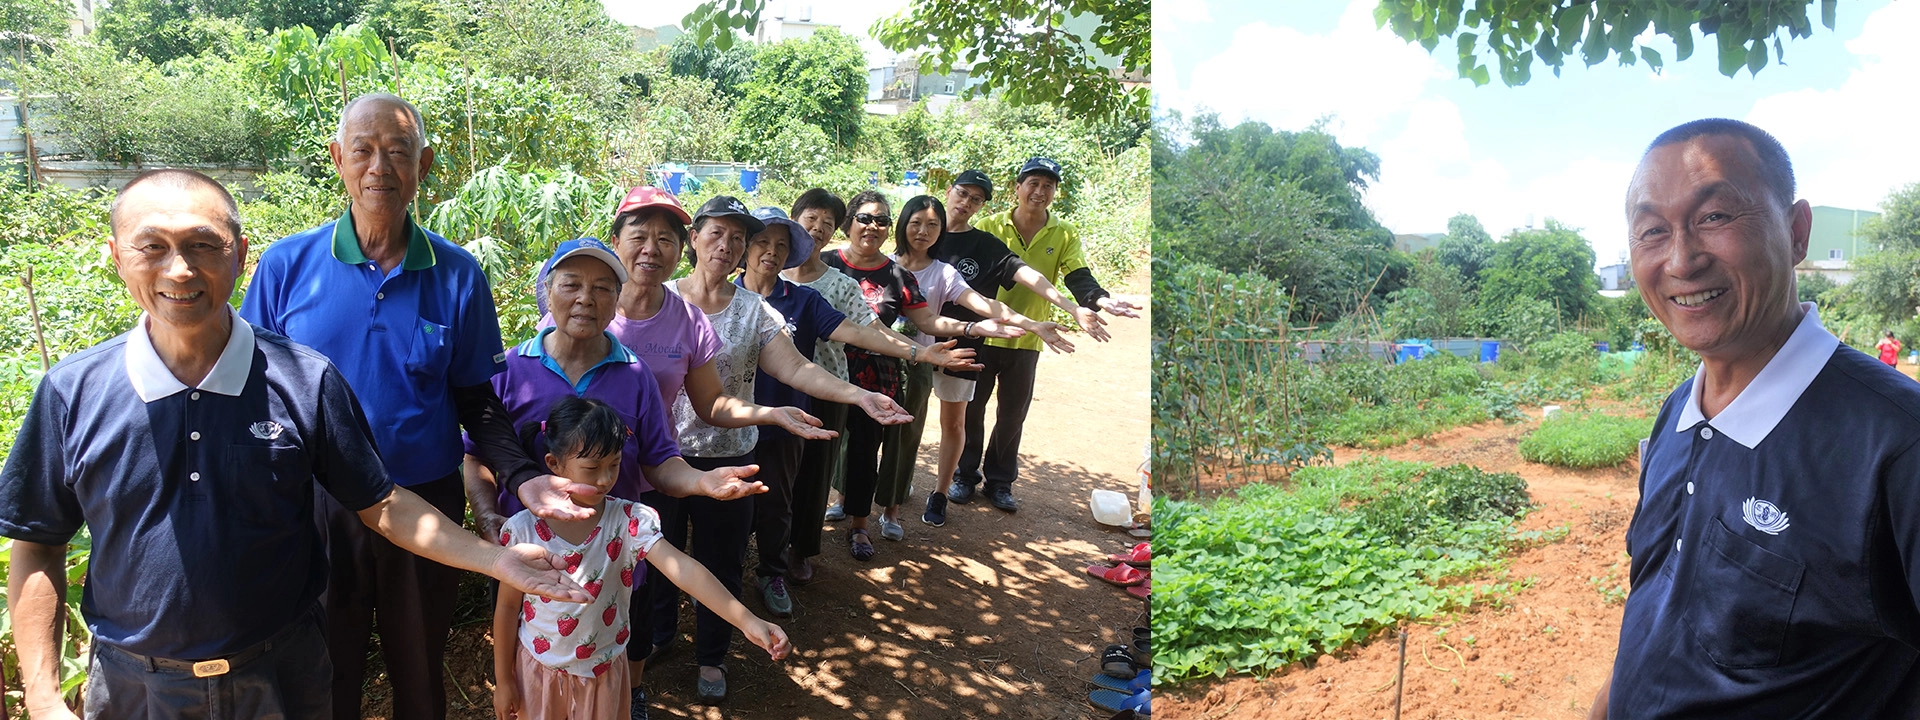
(1051, 249)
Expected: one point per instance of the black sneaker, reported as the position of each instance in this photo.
(936, 514)
(961, 492)
(1001, 497)
(639, 697)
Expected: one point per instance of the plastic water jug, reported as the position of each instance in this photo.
(1110, 508)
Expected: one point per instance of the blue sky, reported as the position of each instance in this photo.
(1843, 102)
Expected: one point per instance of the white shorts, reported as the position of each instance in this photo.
(952, 389)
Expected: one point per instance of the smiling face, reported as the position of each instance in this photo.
(1713, 249)
(582, 293)
(962, 202)
(767, 251)
(923, 230)
(1035, 191)
(650, 250)
(820, 223)
(867, 237)
(717, 244)
(600, 472)
(176, 253)
(380, 158)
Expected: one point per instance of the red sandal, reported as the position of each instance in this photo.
(1123, 575)
(1142, 590)
(1139, 556)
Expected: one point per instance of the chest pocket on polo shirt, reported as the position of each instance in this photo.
(1742, 599)
(432, 350)
(266, 478)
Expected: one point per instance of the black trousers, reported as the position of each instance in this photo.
(864, 436)
(411, 599)
(290, 678)
(640, 605)
(719, 542)
(778, 455)
(820, 462)
(1014, 372)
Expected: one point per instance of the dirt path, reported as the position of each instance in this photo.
(1541, 654)
(987, 617)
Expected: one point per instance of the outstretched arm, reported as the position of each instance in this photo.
(704, 587)
(779, 358)
(678, 479)
(715, 407)
(884, 341)
(1089, 318)
(408, 521)
(989, 307)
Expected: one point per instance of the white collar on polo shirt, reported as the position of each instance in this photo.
(1758, 408)
(152, 380)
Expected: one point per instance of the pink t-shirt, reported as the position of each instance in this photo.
(672, 343)
(586, 639)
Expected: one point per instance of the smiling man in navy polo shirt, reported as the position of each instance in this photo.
(192, 447)
(1776, 546)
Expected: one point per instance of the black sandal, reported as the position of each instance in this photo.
(1116, 662)
(860, 544)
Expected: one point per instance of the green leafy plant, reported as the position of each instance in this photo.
(1584, 440)
(1273, 575)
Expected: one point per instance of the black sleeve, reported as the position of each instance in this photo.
(1009, 267)
(347, 465)
(37, 502)
(1085, 289)
(485, 419)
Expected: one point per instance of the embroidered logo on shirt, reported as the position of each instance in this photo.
(1763, 516)
(265, 430)
(1049, 251)
(968, 268)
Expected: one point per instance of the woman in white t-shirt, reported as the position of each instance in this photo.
(922, 220)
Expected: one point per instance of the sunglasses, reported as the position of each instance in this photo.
(871, 219)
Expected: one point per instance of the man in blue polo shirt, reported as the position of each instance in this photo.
(1776, 546)
(408, 318)
(192, 447)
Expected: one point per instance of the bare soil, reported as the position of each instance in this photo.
(1541, 653)
(987, 617)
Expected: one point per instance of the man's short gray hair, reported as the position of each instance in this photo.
(419, 124)
(177, 179)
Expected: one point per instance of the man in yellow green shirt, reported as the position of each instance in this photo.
(1051, 247)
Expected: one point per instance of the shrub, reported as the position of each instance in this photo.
(1584, 440)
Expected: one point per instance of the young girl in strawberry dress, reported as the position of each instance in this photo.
(568, 660)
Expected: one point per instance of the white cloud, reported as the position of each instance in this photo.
(1360, 74)
(1854, 144)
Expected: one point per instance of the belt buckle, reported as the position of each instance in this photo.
(210, 668)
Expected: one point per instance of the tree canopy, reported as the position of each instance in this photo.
(1466, 248)
(1550, 31)
(1553, 264)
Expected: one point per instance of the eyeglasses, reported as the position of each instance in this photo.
(871, 219)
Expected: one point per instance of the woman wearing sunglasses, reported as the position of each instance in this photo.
(892, 293)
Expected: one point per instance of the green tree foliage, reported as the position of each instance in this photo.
(1518, 33)
(1286, 205)
(161, 30)
(572, 44)
(1886, 283)
(1025, 50)
(730, 69)
(1810, 286)
(1029, 51)
(820, 81)
(1435, 303)
(192, 110)
(1466, 248)
(44, 19)
(1553, 264)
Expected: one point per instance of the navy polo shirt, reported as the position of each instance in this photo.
(404, 339)
(200, 500)
(810, 318)
(1776, 547)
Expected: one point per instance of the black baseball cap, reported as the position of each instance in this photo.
(1042, 166)
(977, 179)
(727, 206)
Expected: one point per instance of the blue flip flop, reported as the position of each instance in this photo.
(1111, 701)
(1139, 682)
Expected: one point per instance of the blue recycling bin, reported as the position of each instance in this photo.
(1638, 346)
(1489, 351)
(913, 178)
(750, 180)
(675, 180)
(873, 178)
(1601, 346)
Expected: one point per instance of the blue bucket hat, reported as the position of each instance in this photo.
(800, 242)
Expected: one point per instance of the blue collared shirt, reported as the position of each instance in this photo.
(809, 319)
(200, 499)
(404, 339)
(536, 347)
(1776, 546)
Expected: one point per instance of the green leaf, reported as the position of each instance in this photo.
(1652, 57)
(1828, 11)
(1757, 57)
(1732, 58)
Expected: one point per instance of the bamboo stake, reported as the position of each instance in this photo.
(39, 335)
(1400, 675)
(33, 155)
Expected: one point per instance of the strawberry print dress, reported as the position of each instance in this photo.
(586, 639)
